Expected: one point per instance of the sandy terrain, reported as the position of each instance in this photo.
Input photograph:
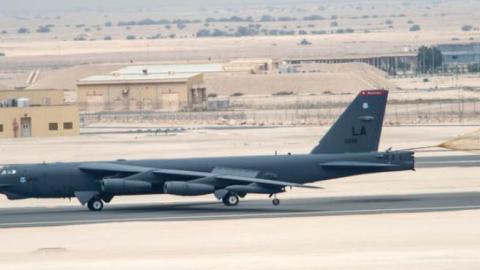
(395, 241)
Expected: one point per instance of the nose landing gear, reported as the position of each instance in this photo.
(275, 201)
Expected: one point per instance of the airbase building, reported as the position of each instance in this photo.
(36, 113)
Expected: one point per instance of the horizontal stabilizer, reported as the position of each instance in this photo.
(354, 164)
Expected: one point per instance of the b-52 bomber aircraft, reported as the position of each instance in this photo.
(349, 148)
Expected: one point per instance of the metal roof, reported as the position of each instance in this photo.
(136, 78)
(170, 69)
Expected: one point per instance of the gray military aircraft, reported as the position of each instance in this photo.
(350, 147)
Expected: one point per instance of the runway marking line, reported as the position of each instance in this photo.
(200, 217)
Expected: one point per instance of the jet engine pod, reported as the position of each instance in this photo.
(124, 187)
(187, 189)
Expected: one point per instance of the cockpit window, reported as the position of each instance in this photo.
(8, 171)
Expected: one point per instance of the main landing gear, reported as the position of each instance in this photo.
(230, 199)
(95, 204)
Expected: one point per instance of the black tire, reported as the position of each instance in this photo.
(276, 201)
(95, 204)
(231, 199)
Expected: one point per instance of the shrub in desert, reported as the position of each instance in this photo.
(2, 54)
(204, 33)
(131, 37)
(79, 38)
(313, 18)
(108, 24)
(43, 29)
(415, 28)
(4, 32)
(333, 24)
(23, 30)
(267, 18)
(467, 28)
(283, 93)
(107, 37)
(237, 94)
(318, 32)
(286, 19)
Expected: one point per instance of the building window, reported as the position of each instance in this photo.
(1, 127)
(52, 126)
(67, 125)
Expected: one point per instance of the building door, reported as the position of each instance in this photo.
(25, 127)
(95, 103)
(170, 102)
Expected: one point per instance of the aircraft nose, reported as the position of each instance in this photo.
(409, 160)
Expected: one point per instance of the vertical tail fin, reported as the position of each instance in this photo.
(358, 129)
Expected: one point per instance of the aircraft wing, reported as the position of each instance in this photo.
(191, 175)
(354, 164)
(227, 177)
(264, 181)
(112, 167)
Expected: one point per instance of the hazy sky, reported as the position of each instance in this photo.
(62, 5)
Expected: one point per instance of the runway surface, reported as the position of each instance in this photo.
(331, 206)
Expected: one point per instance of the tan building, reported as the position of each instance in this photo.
(39, 121)
(36, 113)
(145, 91)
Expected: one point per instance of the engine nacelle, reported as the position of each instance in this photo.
(187, 189)
(122, 186)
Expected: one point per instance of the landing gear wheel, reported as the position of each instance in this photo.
(95, 204)
(231, 199)
(276, 201)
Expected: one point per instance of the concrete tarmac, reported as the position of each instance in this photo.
(327, 206)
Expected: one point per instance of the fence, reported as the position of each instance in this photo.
(405, 113)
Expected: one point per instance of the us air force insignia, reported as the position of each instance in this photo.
(365, 105)
(23, 179)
